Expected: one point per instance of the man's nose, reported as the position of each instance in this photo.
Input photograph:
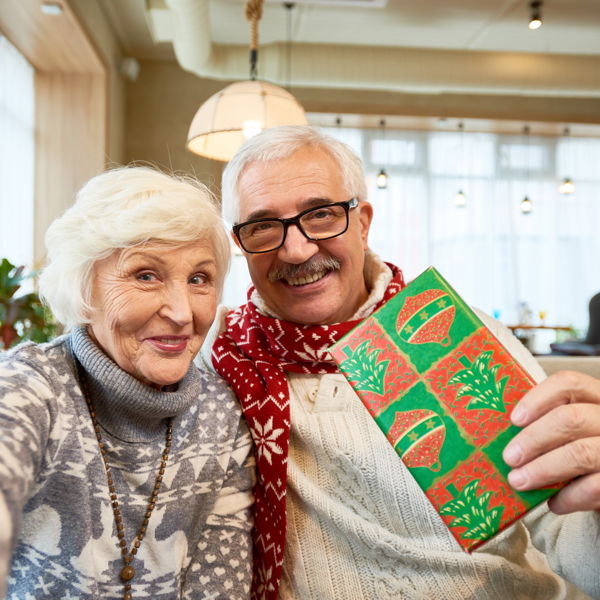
(297, 248)
(176, 304)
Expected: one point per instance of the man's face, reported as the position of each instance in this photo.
(299, 281)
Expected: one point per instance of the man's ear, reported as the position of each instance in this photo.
(237, 242)
(365, 216)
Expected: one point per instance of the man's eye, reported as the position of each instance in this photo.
(320, 213)
(260, 228)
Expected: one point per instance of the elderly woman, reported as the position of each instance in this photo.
(124, 470)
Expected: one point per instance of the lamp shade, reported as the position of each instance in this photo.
(238, 112)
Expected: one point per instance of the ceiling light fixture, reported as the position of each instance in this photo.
(567, 186)
(526, 203)
(242, 109)
(382, 177)
(535, 22)
(460, 200)
(51, 8)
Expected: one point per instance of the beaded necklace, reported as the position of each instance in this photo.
(127, 573)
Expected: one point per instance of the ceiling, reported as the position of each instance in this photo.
(409, 46)
(570, 26)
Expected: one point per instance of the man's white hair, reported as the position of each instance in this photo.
(278, 143)
(117, 209)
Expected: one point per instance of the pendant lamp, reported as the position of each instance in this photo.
(242, 109)
(460, 199)
(382, 177)
(567, 186)
(526, 205)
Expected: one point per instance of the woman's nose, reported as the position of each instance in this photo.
(177, 305)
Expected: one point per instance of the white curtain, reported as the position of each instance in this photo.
(16, 155)
(494, 255)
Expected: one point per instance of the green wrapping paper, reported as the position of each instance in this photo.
(441, 387)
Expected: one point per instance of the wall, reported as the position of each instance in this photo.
(160, 108)
(98, 30)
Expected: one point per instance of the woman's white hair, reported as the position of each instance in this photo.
(117, 209)
(278, 143)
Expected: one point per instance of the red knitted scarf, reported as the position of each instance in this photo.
(253, 355)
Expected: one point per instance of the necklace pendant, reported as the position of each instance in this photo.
(127, 573)
(127, 596)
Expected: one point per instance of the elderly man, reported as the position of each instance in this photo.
(338, 516)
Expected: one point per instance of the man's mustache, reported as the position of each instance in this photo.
(315, 264)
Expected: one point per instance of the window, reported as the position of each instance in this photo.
(495, 256)
(16, 155)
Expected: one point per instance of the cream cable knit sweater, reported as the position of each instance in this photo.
(359, 527)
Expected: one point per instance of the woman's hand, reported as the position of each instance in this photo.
(560, 440)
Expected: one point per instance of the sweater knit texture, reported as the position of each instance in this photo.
(58, 538)
(359, 527)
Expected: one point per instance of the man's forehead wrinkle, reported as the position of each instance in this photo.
(262, 193)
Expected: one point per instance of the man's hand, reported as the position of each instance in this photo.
(560, 441)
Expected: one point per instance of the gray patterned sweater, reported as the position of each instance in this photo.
(57, 532)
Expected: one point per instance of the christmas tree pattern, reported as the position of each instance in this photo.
(362, 367)
(471, 511)
(479, 382)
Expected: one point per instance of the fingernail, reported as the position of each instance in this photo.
(518, 415)
(513, 454)
(518, 479)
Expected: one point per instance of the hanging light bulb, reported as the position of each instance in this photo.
(567, 186)
(535, 22)
(382, 176)
(526, 206)
(526, 203)
(460, 200)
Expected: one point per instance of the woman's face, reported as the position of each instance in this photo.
(152, 306)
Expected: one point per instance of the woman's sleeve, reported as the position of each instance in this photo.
(222, 564)
(24, 426)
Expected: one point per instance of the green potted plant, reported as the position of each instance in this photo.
(22, 317)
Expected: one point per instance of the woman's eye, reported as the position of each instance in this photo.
(145, 276)
(198, 279)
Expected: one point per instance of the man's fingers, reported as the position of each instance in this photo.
(564, 425)
(579, 457)
(581, 494)
(564, 387)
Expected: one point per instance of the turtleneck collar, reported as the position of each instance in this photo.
(125, 407)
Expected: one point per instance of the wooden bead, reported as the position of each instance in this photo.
(127, 573)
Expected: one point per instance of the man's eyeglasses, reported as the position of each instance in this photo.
(319, 223)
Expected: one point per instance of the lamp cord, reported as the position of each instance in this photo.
(254, 14)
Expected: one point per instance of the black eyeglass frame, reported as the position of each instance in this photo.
(347, 206)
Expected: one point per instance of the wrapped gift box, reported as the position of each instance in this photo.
(441, 387)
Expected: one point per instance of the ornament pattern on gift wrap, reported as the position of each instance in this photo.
(479, 425)
(363, 367)
(478, 467)
(426, 318)
(470, 510)
(479, 382)
(418, 437)
(399, 375)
